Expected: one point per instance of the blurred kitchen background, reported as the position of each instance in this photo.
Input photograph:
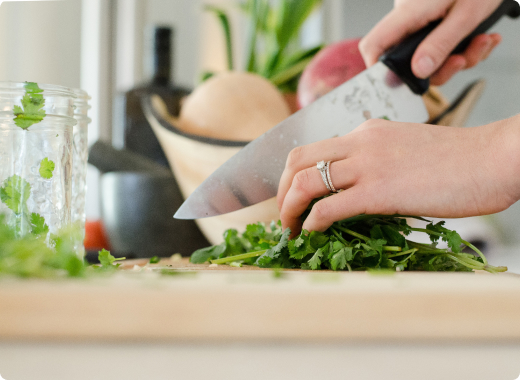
(104, 47)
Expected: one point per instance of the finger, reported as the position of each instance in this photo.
(308, 185)
(477, 51)
(453, 65)
(393, 28)
(340, 206)
(497, 39)
(307, 156)
(435, 49)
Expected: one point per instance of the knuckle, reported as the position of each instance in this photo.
(321, 211)
(373, 133)
(301, 182)
(284, 215)
(439, 50)
(369, 124)
(363, 46)
(372, 123)
(294, 157)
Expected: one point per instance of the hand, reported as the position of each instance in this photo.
(460, 18)
(403, 168)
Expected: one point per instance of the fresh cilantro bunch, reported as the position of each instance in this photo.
(32, 111)
(364, 242)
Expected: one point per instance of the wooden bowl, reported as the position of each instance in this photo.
(194, 158)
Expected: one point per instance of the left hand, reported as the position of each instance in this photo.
(403, 168)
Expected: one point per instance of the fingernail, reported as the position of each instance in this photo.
(424, 67)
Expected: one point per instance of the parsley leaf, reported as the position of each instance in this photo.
(206, 254)
(315, 260)
(107, 260)
(339, 260)
(267, 258)
(39, 227)
(14, 193)
(47, 168)
(32, 103)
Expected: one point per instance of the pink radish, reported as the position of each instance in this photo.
(331, 67)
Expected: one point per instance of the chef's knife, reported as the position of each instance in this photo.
(388, 89)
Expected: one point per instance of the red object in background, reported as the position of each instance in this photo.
(95, 236)
(331, 67)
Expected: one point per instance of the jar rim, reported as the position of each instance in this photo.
(6, 118)
(81, 95)
(18, 88)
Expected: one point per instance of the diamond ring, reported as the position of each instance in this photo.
(324, 168)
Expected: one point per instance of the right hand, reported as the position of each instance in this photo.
(432, 57)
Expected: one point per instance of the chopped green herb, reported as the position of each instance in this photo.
(155, 260)
(32, 111)
(107, 260)
(364, 242)
(47, 168)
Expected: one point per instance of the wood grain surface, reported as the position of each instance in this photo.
(200, 303)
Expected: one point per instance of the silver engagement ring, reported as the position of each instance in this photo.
(324, 168)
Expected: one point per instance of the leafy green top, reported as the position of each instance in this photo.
(47, 168)
(273, 48)
(32, 103)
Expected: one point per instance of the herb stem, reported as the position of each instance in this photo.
(244, 256)
(352, 233)
(390, 248)
(340, 238)
(413, 250)
(468, 244)
(359, 236)
(466, 263)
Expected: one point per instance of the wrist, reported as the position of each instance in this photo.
(504, 154)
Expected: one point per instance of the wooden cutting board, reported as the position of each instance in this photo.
(223, 303)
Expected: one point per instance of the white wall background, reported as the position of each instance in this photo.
(40, 42)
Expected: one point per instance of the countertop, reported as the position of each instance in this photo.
(202, 303)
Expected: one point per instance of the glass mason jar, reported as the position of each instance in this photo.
(36, 124)
(79, 168)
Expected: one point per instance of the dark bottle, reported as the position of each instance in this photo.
(132, 130)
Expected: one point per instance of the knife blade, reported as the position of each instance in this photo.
(252, 175)
(386, 90)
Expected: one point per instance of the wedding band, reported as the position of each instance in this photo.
(322, 167)
(331, 186)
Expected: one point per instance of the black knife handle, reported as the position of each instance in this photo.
(399, 58)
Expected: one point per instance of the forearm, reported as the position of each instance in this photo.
(504, 152)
